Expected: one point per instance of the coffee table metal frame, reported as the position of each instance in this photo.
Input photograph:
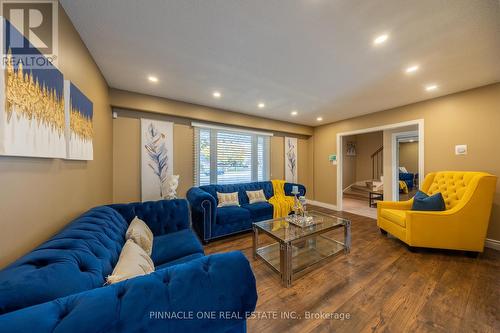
(315, 241)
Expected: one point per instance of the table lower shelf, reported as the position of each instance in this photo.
(304, 253)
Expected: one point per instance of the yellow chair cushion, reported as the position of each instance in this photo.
(394, 215)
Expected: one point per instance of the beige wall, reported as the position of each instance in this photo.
(134, 101)
(408, 156)
(39, 196)
(469, 117)
(126, 155)
(366, 145)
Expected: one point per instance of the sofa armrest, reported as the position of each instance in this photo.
(220, 286)
(289, 186)
(204, 209)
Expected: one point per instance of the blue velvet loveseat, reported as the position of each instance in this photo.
(59, 286)
(211, 222)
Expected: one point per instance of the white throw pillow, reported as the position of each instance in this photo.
(256, 196)
(228, 199)
(139, 232)
(133, 261)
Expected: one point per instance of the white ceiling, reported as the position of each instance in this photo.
(314, 56)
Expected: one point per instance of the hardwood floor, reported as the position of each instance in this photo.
(381, 285)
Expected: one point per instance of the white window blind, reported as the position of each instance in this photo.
(224, 156)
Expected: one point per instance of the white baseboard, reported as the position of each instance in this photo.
(492, 244)
(321, 204)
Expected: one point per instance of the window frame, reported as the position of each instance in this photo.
(256, 139)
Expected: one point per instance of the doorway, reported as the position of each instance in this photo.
(406, 173)
(383, 183)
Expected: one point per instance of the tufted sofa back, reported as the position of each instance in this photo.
(76, 259)
(162, 217)
(241, 189)
(452, 184)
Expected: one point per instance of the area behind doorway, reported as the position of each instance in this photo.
(362, 169)
(371, 166)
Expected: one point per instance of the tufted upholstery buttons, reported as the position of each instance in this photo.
(121, 292)
(162, 216)
(206, 266)
(78, 258)
(452, 186)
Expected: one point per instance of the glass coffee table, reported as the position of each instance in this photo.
(296, 249)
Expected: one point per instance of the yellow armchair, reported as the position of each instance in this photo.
(462, 226)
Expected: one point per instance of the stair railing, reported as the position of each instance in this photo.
(378, 163)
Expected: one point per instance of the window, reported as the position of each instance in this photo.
(227, 156)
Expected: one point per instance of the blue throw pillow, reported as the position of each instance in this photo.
(422, 201)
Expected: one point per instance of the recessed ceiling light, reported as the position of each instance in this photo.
(152, 78)
(411, 140)
(294, 113)
(261, 105)
(216, 94)
(319, 119)
(431, 87)
(380, 39)
(412, 69)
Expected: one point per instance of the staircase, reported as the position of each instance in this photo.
(357, 191)
(377, 163)
(361, 190)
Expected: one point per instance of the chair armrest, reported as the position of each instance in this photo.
(222, 284)
(289, 186)
(400, 205)
(204, 211)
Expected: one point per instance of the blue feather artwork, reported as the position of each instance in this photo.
(291, 159)
(157, 157)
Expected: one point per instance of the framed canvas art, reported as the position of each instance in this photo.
(79, 128)
(156, 158)
(32, 118)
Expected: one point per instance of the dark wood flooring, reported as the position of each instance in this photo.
(381, 285)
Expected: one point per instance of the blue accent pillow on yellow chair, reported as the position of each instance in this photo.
(422, 201)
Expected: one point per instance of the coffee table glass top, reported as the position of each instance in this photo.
(287, 232)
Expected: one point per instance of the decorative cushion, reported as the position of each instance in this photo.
(228, 199)
(256, 196)
(139, 232)
(133, 261)
(423, 202)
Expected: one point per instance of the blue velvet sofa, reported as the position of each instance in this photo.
(59, 286)
(211, 222)
(407, 178)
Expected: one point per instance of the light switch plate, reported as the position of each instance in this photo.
(461, 150)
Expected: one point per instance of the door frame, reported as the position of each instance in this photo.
(395, 161)
(418, 122)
